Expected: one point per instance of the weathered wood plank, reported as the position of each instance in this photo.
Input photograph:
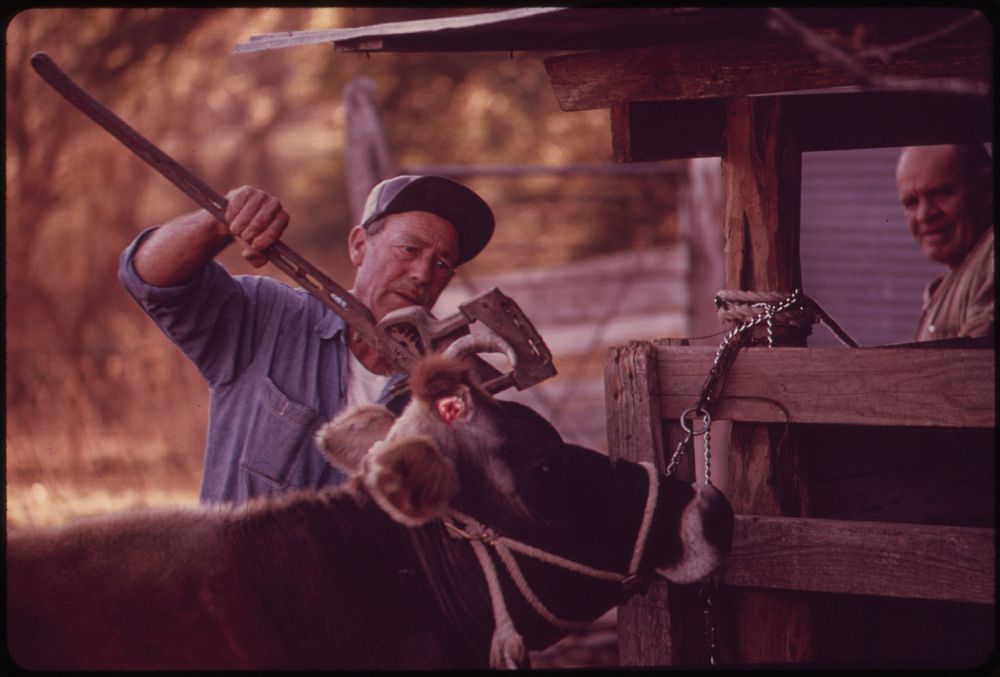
(915, 475)
(584, 306)
(666, 130)
(688, 70)
(701, 220)
(867, 558)
(662, 627)
(870, 386)
(636, 283)
(762, 173)
(465, 171)
(372, 37)
(741, 66)
(367, 159)
(635, 433)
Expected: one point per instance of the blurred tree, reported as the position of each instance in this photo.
(78, 349)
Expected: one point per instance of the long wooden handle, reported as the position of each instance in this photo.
(197, 189)
(293, 264)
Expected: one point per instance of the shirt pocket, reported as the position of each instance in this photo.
(271, 452)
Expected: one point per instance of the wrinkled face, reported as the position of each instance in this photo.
(408, 261)
(944, 213)
(503, 464)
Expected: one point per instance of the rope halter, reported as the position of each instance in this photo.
(507, 647)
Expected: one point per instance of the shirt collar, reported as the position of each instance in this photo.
(330, 325)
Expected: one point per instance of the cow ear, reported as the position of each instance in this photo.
(410, 479)
(347, 438)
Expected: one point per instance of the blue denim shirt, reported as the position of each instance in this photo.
(275, 360)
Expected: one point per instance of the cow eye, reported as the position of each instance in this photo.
(547, 468)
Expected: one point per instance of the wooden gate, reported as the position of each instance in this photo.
(821, 399)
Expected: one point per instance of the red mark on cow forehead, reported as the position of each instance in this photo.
(450, 408)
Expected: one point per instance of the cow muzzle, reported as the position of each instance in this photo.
(706, 535)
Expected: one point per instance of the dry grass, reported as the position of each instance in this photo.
(82, 440)
(39, 504)
(41, 494)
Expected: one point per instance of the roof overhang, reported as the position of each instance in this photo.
(852, 77)
(523, 29)
(602, 28)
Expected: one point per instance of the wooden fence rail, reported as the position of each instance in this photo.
(868, 386)
(866, 558)
(896, 391)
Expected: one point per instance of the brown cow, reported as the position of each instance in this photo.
(405, 567)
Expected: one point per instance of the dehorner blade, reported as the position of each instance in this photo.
(328, 292)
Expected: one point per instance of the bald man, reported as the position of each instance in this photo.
(947, 198)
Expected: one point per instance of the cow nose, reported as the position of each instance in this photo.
(706, 536)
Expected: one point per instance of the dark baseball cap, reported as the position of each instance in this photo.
(453, 202)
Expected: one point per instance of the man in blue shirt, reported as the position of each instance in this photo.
(278, 363)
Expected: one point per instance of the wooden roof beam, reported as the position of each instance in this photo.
(668, 130)
(745, 66)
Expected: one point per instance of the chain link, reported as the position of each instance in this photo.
(735, 339)
(710, 390)
(708, 451)
(711, 639)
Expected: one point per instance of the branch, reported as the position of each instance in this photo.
(885, 53)
(782, 22)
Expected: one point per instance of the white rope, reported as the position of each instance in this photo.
(552, 558)
(795, 311)
(515, 573)
(507, 648)
(652, 493)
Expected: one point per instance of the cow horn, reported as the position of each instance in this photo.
(481, 342)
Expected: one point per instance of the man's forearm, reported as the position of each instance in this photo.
(177, 250)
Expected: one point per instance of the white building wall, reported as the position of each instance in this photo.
(858, 259)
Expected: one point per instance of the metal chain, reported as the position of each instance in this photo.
(708, 452)
(769, 319)
(711, 640)
(724, 357)
(710, 389)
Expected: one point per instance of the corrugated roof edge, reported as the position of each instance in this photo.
(258, 43)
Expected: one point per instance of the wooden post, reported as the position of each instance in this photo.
(635, 434)
(762, 169)
(664, 626)
(702, 224)
(366, 154)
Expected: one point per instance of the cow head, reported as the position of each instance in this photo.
(456, 448)
(458, 453)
